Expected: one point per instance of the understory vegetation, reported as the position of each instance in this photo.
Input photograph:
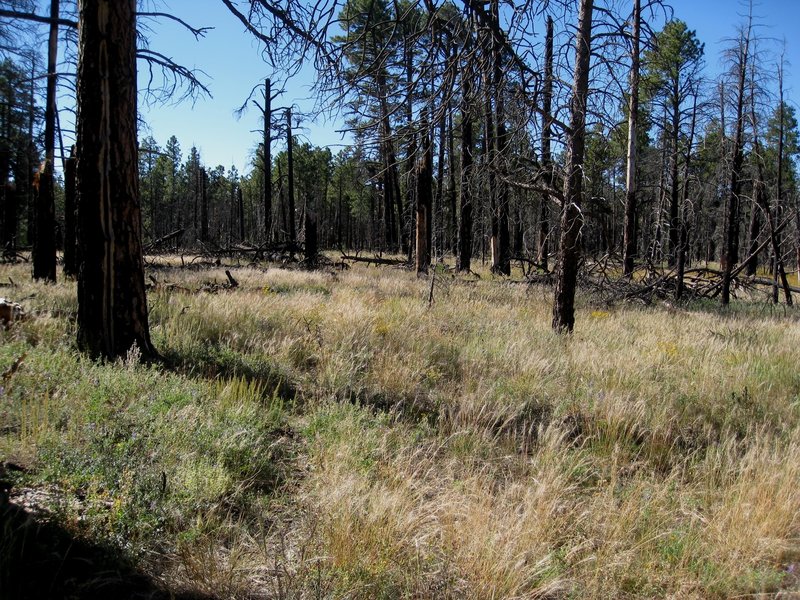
(333, 434)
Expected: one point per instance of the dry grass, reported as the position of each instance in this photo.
(459, 450)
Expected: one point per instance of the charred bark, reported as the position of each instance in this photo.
(290, 175)
(423, 175)
(730, 251)
(547, 159)
(112, 306)
(70, 205)
(311, 241)
(267, 158)
(465, 199)
(629, 235)
(571, 216)
(44, 243)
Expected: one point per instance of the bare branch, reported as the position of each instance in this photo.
(13, 14)
(197, 32)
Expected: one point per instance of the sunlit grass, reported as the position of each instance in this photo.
(333, 434)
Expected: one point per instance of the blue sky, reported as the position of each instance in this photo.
(232, 62)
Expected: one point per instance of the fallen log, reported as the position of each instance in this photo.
(376, 260)
(770, 283)
(163, 240)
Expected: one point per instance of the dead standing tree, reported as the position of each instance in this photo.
(267, 159)
(44, 243)
(547, 158)
(730, 249)
(629, 241)
(423, 175)
(571, 216)
(112, 306)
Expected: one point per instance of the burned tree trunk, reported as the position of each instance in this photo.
(451, 187)
(423, 172)
(501, 261)
(547, 159)
(240, 211)
(290, 175)
(683, 238)
(763, 204)
(390, 175)
(438, 202)
(44, 243)
(112, 306)
(629, 236)
(465, 201)
(70, 239)
(8, 194)
(311, 244)
(730, 250)
(571, 217)
(752, 235)
(674, 190)
(203, 181)
(267, 160)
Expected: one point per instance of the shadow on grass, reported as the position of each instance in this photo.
(41, 560)
(212, 362)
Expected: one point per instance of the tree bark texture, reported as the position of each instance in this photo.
(112, 305)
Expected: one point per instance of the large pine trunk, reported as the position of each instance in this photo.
(571, 217)
(112, 305)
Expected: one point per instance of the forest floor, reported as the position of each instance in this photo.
(334, 434)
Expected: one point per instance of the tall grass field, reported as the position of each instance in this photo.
(334, 434)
